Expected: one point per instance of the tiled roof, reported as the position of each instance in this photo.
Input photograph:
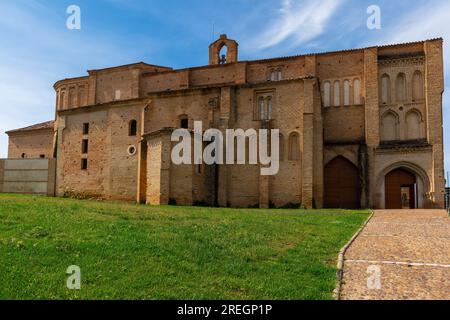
(346, 50)
(39, 126)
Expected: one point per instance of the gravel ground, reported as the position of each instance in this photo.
(401, 254)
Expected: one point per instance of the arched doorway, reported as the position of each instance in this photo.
(400, 190)
(342, 185)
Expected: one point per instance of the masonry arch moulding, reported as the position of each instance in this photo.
(216, 47)
(424, 191)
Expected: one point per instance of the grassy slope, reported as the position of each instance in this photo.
(128, 251)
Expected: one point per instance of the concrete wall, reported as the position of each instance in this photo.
(36, 176)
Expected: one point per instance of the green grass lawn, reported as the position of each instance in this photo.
(128, 251)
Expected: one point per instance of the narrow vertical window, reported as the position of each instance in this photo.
(85, 146)
(294, 147)
(132, 130)
(84, 164)
(261, 108)
(385, 89)
(269, 109)
(85, 128)
(346, 93)
(337, 94)
(62, 98)
(356, 92)
(281, 142)
(327, 94)
(81, 96)
(401, 87)
(418, 87)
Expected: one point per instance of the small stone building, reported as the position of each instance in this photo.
(32, 142)
(358, 128)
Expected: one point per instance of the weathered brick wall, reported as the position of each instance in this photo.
(291, 69)
(344, 124)
(33, 144)
(123, 166)
(434, 89)
(243, 181)
(116, 85)
(95, 180)
(227, 99)
(112, 171)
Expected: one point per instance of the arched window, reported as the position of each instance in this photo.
(418, 87)
(327, 94)
(62, 98)
(223, 54)
(356, 92)
(275, 75)
(337, 93)
(72, 97)
(346, 93)
(81, 96)
(400, 87)
(294, 147)
(389, 126)
(132, 129)
(385, 89)
(281, 143)
(414, 125)
(23, 156)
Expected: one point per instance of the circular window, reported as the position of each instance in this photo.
(132, 150)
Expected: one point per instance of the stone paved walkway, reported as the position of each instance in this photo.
(408, 249)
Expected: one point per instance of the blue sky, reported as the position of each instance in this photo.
(37, 49)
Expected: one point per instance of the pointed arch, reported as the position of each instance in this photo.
(418, 86)
(294, 146)
(223, 53)
(337, 93)
(389, 126)
(385, 89)
(400, 87)
(423, 183)
(414, 125)
(346, 92)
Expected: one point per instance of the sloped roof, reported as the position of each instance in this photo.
(39, 126)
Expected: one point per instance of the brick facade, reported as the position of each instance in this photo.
(380, 108)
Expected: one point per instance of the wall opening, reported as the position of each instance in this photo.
(401, 190)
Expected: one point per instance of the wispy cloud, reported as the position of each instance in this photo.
(427, 21)
(297, 22)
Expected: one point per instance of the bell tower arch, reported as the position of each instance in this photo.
(223, 51)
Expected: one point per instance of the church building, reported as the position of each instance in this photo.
(359, 128)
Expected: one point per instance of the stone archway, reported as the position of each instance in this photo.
(422, 185)
(400, 190)
(342, 184)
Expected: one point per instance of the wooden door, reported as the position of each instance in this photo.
(396, 184)
(342, 185)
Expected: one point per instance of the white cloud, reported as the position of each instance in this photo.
(298, 21)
